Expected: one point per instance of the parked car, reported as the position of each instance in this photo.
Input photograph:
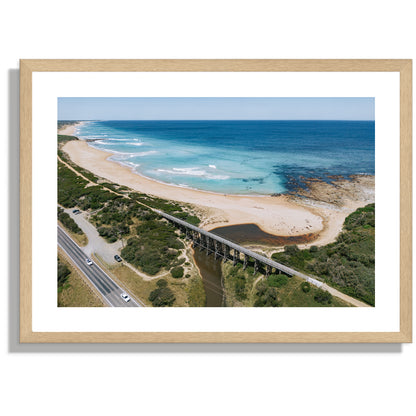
(76, 211)
(125, 297)
(118, 258)
(89, 262)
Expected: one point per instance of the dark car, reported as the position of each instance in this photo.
(118, 258)
(76, 211)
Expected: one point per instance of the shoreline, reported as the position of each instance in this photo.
(70, 129)
(282, 215)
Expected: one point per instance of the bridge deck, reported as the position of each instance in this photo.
(241, 249)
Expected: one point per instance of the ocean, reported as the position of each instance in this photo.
(237, 157)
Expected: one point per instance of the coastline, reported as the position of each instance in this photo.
(70, 129)
(285, 215)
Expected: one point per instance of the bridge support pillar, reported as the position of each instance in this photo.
(215, 249)
(268, 271)
(226, 253)
(236, 255)
(208, 245)
(245, 261)
(256, 266)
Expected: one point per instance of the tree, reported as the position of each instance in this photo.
(163, 296)
(306, 287)
(267, 296)
(177, 272)
(322, 296)
(277, 280)
(161, 283)
(291, 250)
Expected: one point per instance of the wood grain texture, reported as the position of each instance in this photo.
(27, 67)
(209, 65)
(25, 201)
(215, 337)
(406, 201)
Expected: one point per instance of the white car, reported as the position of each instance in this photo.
(89, 262)
(125, 297)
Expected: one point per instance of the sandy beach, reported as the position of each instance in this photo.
(69, 129)
(280, 215)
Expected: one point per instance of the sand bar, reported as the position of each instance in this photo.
(279, 215)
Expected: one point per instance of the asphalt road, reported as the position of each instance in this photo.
(102, 282)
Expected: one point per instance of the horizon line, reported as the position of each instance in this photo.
(220, 119)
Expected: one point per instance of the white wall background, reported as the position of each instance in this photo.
(190, 380)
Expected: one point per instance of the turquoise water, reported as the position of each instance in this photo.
(237, 157)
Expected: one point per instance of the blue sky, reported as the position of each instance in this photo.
(222, 108)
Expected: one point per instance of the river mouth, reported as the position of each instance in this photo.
(252, 234)
(210, 268)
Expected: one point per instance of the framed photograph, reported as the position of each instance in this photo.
(215, 201)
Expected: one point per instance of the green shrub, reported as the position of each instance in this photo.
(161, 283)
(266, 296)
(277, 280)
(291, 250)
(322, 296)
(306, 287)
(240, 289)
(250, 270)
(68, 222)
(156, 246)
(63, 273)
(177, 272)
(163, 296)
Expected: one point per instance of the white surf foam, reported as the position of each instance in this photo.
(193, 172)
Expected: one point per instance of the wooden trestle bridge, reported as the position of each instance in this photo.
(223, 248)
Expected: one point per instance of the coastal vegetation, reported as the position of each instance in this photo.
(348, 264)
(242, 288)
(73, 291)
(63, 274)
(68, 222)
(65, 123)
(177, 272)
(153, 245)
(163, 295)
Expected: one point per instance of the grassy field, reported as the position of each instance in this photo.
(133, 283)
(75, 292)
(187, 291)
(196, 293)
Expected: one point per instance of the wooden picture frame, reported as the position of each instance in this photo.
(29, 67)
